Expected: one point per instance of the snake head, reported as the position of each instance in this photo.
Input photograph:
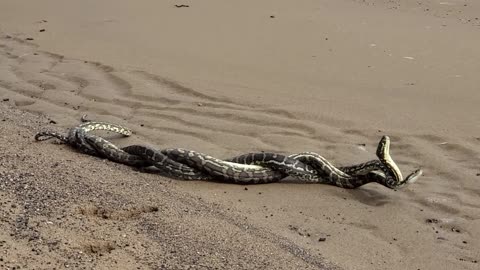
(46, 135)
(383, 147)
(408, 180)
(394, 178)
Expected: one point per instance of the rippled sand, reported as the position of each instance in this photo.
(226, 79)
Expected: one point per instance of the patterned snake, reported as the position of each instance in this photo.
(253, 168)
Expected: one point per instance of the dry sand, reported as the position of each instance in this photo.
(229, 78)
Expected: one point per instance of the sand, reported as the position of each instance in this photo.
(230, 78)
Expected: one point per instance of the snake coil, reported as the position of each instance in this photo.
(252, 168)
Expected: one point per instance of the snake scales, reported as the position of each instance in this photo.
(253, 168)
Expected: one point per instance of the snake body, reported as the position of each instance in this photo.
(76, 136)
(253, 168)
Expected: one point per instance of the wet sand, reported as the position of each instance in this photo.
(227, 79)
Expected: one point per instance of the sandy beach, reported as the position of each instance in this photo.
(231, 78)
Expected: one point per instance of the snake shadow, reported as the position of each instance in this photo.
(364, 194)
(370, 197)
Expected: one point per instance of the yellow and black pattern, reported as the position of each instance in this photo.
(253, 168)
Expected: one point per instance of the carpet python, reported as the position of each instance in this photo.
(252, 168)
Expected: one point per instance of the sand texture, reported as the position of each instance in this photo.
(231, 78)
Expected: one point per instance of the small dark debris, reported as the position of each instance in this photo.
(465, 242)
(455, 230)
(181, 6)
(53, 122)
(142, 125)
(432, 220)
(259, 193)
(41, 30)
(478, 174)
(5, 99)
(441, 238)
(246, 188)
(272, 16)
(8, 36)
(362, 144)
(322, 239)
(29, 38)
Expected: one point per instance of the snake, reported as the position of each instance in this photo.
(252, 168)
(76, 135)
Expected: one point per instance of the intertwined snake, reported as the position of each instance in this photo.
(253, 168)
